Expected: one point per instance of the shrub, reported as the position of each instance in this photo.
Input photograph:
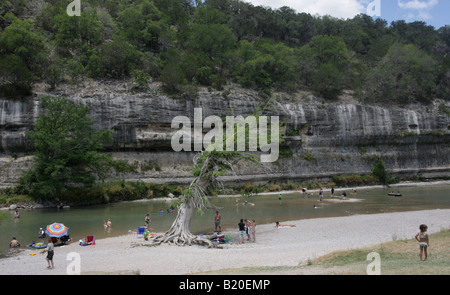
(380, 172)
(274, 188)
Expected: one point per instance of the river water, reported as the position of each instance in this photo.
(128, 216)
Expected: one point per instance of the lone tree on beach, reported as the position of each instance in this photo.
(209, 165)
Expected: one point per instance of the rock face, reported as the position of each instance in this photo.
(323, 139)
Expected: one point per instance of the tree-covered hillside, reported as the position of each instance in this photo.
(187, 43)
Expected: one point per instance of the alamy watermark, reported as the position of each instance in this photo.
(74, 266)
(74, 8)
(374, 8)
(374, 267)
(237, 130)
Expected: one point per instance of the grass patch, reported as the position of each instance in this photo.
(7, 199)
(399, 257)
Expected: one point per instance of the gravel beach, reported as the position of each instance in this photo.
(288, 246)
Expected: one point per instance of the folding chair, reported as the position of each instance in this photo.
(90, 240)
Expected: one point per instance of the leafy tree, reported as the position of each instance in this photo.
(66, 149)
(265, 65)
(328, 80)
(19, 39)
(441, 52)
(23, 56)
(172, 78)
(115, 60)
(212, 39)
(325, 64)
(11, 7)
(301, 29)
(78, 37)
(145, 26)
(15, 78)
(141, 78)
(406, 74)
(380, 172)
(417, 33)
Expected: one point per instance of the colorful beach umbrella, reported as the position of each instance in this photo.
(56, 230)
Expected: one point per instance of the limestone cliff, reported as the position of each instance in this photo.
(323, 139)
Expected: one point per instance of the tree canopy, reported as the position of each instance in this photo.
(66, 149)
(186, 43)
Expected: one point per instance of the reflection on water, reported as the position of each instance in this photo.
(128, 216)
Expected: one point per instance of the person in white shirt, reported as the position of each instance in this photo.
(50, 252)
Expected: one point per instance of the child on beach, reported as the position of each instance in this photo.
(424, 242)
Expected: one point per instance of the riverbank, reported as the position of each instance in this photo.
(339, 190)
(309, 239)
(28, 204)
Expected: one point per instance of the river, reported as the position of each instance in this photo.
(128, 216)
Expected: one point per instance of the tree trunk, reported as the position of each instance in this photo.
(179, 233)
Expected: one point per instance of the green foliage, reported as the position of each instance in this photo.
(355, 180)
(404, 75)
(264, 65)
(141, 78)
(327, 62)
(186, 43)
(172, 78)
(378, 175)
(380, 172)
(115, 60)
(22, 57)
(212, 39)
(15, 77)
(77, 37)
(65, 150)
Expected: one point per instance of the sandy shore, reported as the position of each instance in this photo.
(310, 239)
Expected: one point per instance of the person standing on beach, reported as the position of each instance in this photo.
(248, 228)
(241, 232)
(217, 220)
(424, 241)
(254, 230)
(147, 221)
(50, 252)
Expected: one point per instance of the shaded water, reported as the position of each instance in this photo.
(128, 216)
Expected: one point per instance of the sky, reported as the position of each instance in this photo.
(433, 12)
